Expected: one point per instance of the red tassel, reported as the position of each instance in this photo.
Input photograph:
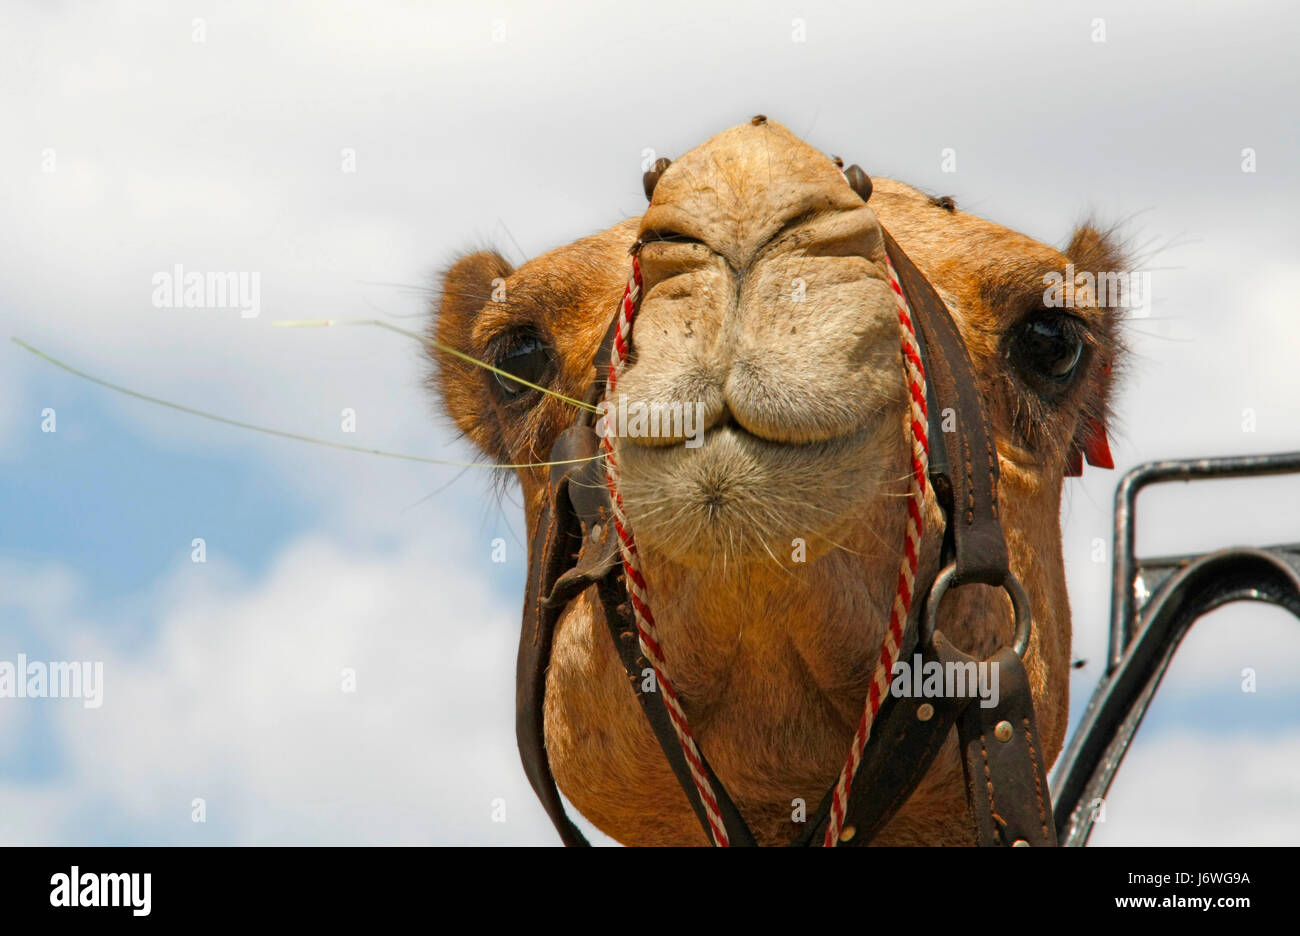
(1096, 447)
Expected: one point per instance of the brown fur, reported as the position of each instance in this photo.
(806, 414)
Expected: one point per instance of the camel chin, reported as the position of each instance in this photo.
(741, 498)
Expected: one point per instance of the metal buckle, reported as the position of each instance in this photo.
(1011, 585)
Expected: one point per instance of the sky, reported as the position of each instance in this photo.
(346, 153)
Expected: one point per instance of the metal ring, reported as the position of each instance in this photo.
(1011, 585)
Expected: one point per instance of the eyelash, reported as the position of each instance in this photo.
(514, 346)
(669, 237)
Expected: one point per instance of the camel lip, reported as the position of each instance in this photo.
(829, 445)
(737, 429)
(735, 426)
(732, 433)
(727, 423)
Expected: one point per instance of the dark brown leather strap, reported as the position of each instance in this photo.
(965, 475)
(548, 554)
(559, 569)
(1006, 779)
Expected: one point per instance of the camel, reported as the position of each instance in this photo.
(771, 549)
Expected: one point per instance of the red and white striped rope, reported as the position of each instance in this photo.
(636, 585)
(914, 375)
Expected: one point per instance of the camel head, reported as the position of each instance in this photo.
(770, 531)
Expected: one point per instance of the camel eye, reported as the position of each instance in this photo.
(527, 357)
(1048, 348)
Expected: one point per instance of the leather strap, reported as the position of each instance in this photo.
(559, 569)
(546, 555)
(965, 477)
(1006, 780)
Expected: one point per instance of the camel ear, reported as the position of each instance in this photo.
(467, 286)
(1095, 250)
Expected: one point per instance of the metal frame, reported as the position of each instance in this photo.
(1154, 603)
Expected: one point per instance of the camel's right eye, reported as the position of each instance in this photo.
(1049, 348)
(526, 357)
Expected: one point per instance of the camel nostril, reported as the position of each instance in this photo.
(859, 181)
(651, 177)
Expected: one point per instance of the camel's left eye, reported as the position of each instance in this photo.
(527, 357)
(1048, 348)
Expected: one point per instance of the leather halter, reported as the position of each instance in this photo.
(574, 548)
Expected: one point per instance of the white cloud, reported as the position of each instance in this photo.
(1190, 789)
(237, 699)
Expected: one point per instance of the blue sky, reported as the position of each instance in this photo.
(222, 678)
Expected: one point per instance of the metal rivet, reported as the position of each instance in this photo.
(1002, 731)
(1019, 843)
(925, 712)
(847, 833)
(859, 181)
(651, 177)
(595, 531)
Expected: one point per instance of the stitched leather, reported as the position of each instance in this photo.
(966, 480)
(535, 639)
(1005, 776)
